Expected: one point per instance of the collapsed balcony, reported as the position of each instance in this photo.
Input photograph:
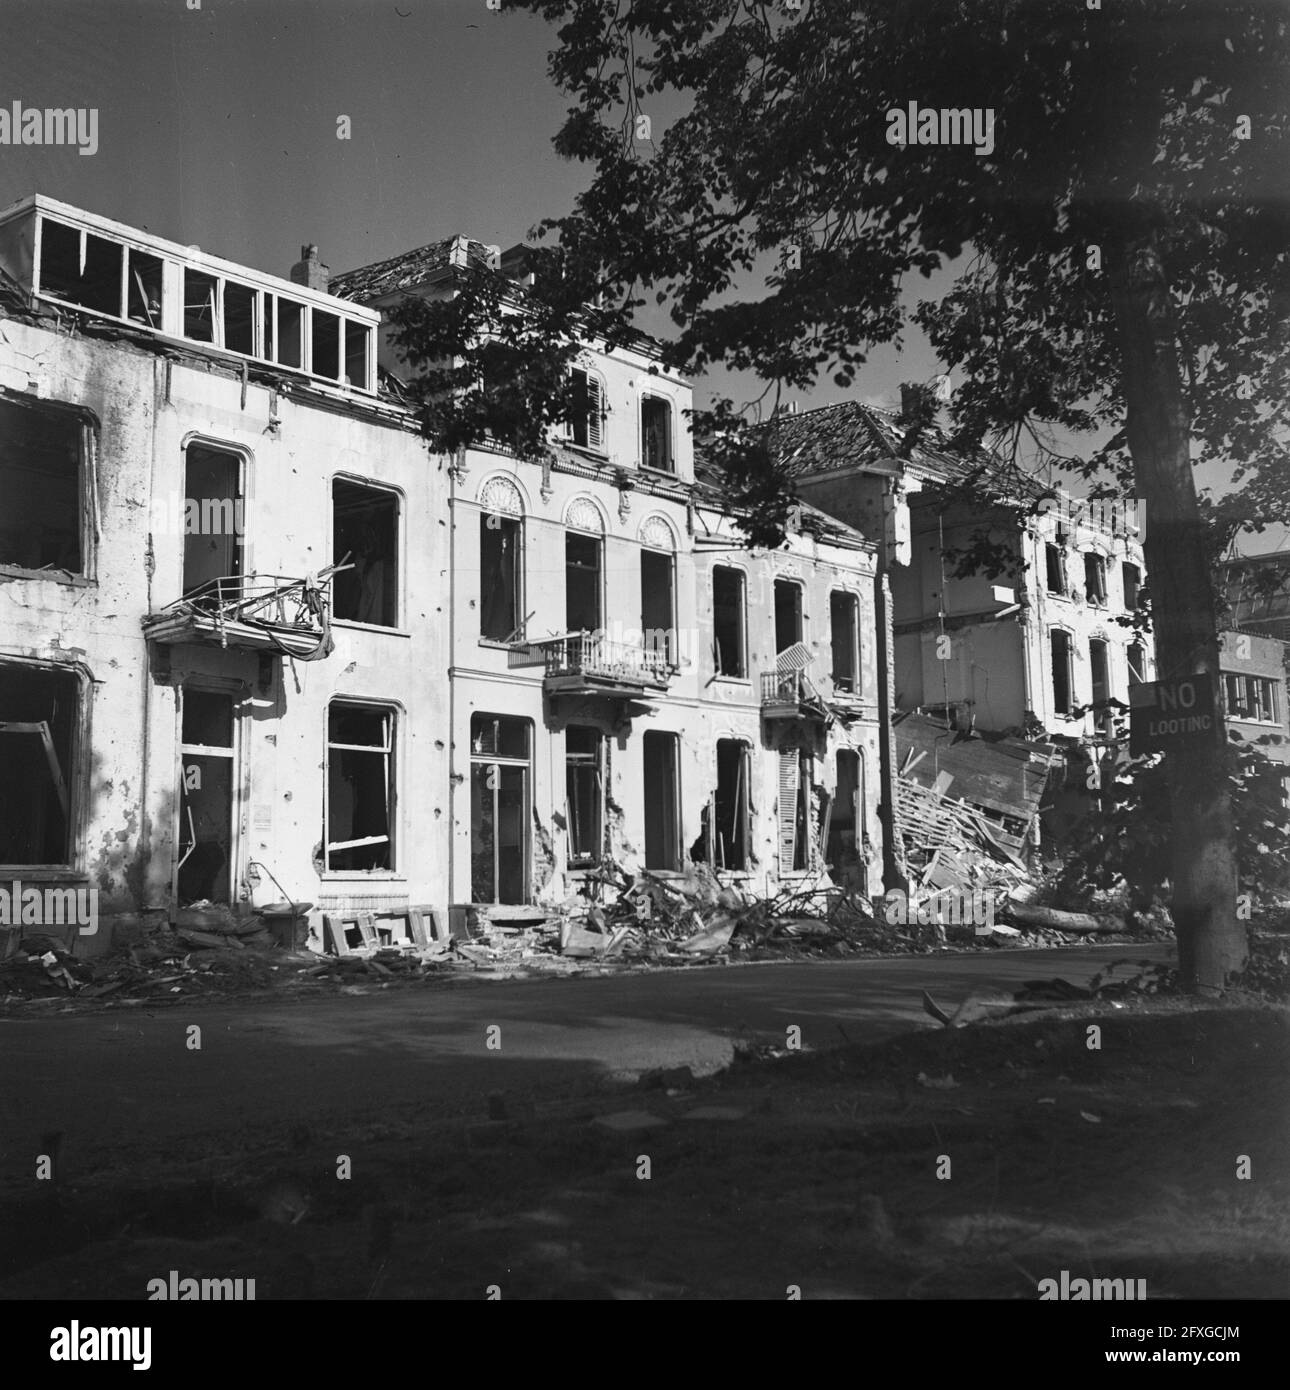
(255, 612)
(586, 663)
(787, 692)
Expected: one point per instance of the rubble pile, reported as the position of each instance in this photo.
(679, 919)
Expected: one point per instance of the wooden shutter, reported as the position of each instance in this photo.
(788, 782)
(595, 413)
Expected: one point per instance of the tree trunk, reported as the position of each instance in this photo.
(1211, 941)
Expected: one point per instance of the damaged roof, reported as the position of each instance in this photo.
(408, 270)
(850, 434)
(1258, 590)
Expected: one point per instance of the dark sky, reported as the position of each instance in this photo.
(218, 127)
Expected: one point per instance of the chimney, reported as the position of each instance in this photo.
(310, 271)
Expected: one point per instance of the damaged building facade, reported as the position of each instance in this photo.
(1040, 640)
(630, 685)
(257, 644)
(1030, 655)
(203, 712)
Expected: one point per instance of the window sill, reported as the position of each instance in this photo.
(40, 873)
(670, 474)
(495, 644)
(362, 876)
(744, 682)
(585, 451)
(353, 626)
(56, 576)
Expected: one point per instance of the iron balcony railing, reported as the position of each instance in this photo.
(595, 658)
(785, 688)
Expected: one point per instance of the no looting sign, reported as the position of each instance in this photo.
(1177, 714)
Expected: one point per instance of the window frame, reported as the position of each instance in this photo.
(525, 763)
(721, 673)
(391, 748)
(1071, 704)
(174, 269)
(520, 590)
(1095, 588)
(744, 804)
(77, 780)
(852, 601)
(671, 470)
(595, 762)
(1127, 568)
(400, 509)
(596, 378)
(86, 490)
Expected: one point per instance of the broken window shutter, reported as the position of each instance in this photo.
(826, 821)
(595, 410)
(738, 833)
(788, 782)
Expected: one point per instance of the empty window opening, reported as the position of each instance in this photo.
(844, 843)
(586, 426)
(728, 622)
(1055, 565)
(143, 289)
(656, 433)
(844, 626)
(1137, 664)
(499, 577)
(1063, 671)
(661, 753)
(240, 304)
(788, 614)
(357, 354)
(658, 604)
(582, 559)
(360, 787)
(41, 471)
(290, 336)
(1132, 577)
(499, 808)
(1099, 665)
(199, 306)
(204, 869)
(39, 716)
(584, 793)
(730, 814)
(81, 268)
(1251, 698)
(212, 516)
(326, 344)
(365, 527)
(1095, 579)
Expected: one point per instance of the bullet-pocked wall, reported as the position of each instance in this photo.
(195, 761)
(596, 711)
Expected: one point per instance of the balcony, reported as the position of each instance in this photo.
(588, 664)
(790, 695)
(258, 612)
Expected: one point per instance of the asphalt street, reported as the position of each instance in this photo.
(116, 1079)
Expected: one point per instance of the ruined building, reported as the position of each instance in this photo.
(1012, 615)
(257, 643)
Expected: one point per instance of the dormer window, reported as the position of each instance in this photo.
(656, 434)
(164, 290)
(586, 429)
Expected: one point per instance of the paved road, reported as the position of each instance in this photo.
(121, 1078)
